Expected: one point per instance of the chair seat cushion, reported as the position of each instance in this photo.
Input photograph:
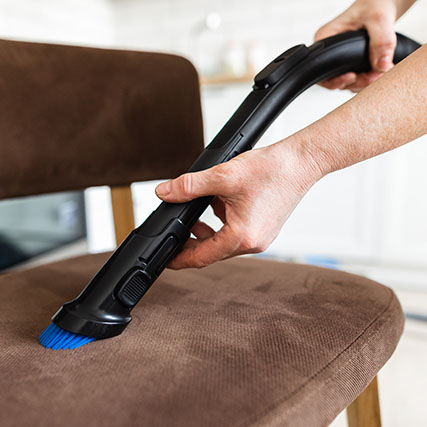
(244, 342)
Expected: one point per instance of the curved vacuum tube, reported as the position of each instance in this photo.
(103, 309)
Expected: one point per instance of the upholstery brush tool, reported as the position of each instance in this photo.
(103, 308)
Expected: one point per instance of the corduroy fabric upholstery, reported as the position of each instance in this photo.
(74, 117)
(244, 342)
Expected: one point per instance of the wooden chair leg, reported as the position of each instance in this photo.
(124, 222)
(365, 410)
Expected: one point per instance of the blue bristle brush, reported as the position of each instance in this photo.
(57, 338)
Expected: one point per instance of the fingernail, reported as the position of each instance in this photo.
(384, 63)
(163, 189)
(352, 78)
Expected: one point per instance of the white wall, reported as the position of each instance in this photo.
(61, 21)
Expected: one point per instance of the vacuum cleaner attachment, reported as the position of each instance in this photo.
(103, 309)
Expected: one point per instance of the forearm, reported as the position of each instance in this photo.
(384, 116)
(402, 6)
(399, 6)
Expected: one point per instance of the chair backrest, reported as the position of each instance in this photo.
(74, 117)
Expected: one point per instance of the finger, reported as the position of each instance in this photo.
(202, 231)
(210, 182)
(364, 80)
(382, 41)
(190, 243)
(218, 207)
(331, 28)
(221, 245)
(330, 84)
(340, 82)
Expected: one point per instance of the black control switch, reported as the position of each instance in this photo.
(274, 71)
(134, 288)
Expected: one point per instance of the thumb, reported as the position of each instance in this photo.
(210, 182)
(330, 29)
(382, 42)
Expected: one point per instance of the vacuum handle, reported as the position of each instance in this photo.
(279, 83)
(405, 46)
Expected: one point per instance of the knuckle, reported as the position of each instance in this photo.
(246, 244)
(379, 15)
(251, 243)
(262, 246)
(198, 263)
(223, 172)
(226, 177)
(185, 184)
(384, 42)
(194, 261)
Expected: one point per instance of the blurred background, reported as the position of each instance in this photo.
(369, 219)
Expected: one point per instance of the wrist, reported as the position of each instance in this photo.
(377, 9)
(294, 162)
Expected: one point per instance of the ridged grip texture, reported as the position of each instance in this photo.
(133, 290)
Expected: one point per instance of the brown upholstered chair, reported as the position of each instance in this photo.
(244, 342)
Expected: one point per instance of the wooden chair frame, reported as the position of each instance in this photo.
(124, 220)
(363, 412)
